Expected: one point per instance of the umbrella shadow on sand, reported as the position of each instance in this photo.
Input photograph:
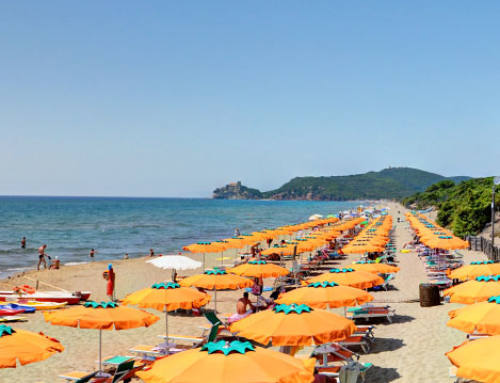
(382, 375)
(398, 318)
(382, 321)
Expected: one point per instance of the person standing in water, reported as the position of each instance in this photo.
(23, 243)
(92, 253)
(41, 257)
(236, 232)
(151, 253)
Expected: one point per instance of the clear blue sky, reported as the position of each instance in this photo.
(175, 98)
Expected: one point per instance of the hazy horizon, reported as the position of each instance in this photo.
(209, 196)
(176, 99)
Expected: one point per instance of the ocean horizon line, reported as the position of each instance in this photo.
(163, 197)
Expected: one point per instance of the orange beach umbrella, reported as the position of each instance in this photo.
(373, 267)
(482, 318)
(294, 325)
(167, 297)
(473, 291)
(326, 294)
(216, 279)
(25, 347)
(349, 277)
(475, 269)
(101, 316)
(478, 360)
(229, 362)
(259, 269)
(206, 247)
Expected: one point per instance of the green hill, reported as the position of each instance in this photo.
(464, 207)
(391, 183)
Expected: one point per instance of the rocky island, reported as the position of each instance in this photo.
(236, 190)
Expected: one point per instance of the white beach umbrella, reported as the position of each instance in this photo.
(315, 217)
(178, 262)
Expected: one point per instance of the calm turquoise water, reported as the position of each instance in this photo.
(115, 226)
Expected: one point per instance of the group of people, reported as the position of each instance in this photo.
(42, 256)
(245, 307)
(108, 275)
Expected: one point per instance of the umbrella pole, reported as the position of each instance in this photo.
(166, 325)
(100, 350)
(203, 261)
(222, 258)
(215, 300)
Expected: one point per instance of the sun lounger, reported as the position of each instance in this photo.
(183, 338)
(366, 331)
(356, 341)
(386, 284)
(328, 354)
(345, 374)
(149, 353)
(78, 376)
(123, 372)
(194, 340)
(369, 312)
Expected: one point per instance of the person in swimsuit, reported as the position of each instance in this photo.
(242, 310)
(41, 257)
(92, 253)
(23, 243)
(243, 303)
(151, 253)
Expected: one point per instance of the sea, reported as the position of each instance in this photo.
(71, 226)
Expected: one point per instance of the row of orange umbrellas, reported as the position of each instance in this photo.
(432, 235)
(479, 359)
(476, 360)
(315, 240)
(373, 237)
(255, 237)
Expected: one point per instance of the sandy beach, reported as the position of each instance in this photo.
(409, 350)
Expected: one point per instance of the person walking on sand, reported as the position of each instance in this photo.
(23, 243)
(41, 257)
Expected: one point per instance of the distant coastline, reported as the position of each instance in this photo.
(390, 183)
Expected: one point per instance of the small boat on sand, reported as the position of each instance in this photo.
(42, 305)
(16, 306)
(71, 298)
(8, 312)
